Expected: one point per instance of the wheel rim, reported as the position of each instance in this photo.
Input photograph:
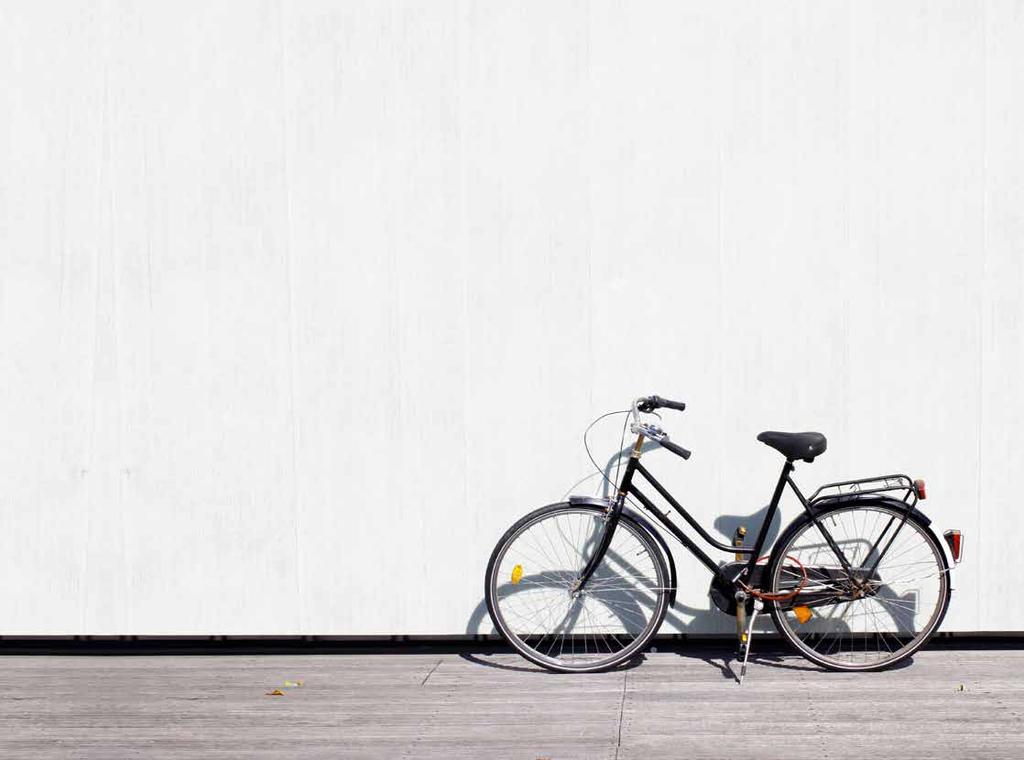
(538, 612)
(860, 621)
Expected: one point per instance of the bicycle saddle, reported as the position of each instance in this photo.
(804, 446)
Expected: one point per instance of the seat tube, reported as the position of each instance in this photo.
(773, 507)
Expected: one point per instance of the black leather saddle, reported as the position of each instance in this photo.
(805, 446)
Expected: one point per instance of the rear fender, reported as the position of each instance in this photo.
(829, 503)
(821, 507)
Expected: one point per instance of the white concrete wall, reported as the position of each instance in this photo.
(303, 303)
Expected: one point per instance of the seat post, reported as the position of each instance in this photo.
(773, 507)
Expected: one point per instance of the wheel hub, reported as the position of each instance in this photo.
(858, 587)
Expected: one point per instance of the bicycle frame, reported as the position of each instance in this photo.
(628, 487)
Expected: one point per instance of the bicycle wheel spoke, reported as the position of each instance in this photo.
(536, 605)
(882, 609)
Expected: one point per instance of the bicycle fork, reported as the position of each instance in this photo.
(611, 520)
(611, 523)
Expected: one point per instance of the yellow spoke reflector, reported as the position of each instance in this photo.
(517, 574)
(803, 614)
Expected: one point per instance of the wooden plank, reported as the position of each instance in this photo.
(356, 706)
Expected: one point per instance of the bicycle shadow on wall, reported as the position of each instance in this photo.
(681, 618)
(623, 608)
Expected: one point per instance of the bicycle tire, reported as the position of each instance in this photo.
(783, 614)
(648, 545)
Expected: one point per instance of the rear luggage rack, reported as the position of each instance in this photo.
(901, 486)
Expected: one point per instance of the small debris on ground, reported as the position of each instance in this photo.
(275, 693)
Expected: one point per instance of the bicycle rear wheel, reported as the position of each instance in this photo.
(876, 614)
(530, 596)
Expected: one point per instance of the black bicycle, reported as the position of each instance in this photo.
(857, 582)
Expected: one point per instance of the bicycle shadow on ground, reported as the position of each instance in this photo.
(770, 651)
(727, 662)
(476, 659)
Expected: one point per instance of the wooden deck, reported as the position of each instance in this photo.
(674, 704)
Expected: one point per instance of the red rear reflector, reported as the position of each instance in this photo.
(919, 487)
(955, 540)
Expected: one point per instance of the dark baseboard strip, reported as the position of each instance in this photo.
(478, 644)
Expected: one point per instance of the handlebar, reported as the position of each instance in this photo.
(650, 403)
(647, 405)
(675, 449)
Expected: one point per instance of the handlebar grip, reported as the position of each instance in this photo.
(677, 450)
(665, 403)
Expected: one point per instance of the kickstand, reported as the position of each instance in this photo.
(747, 639)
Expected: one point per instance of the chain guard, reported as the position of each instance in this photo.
(723, 594)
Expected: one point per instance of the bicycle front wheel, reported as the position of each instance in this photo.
(532, 602)
(881, 609)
